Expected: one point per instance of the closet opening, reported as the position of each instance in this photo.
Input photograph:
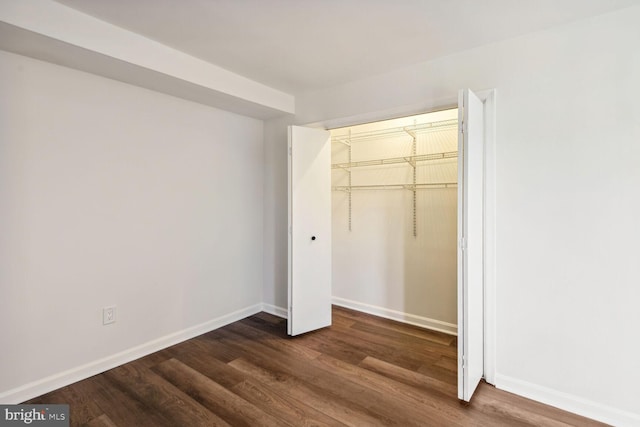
(394, 207)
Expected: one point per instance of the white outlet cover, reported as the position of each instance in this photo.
(109, 315)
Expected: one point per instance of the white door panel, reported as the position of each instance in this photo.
(471, 244)
(309, 229)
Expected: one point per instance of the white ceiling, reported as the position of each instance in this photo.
(301, 45)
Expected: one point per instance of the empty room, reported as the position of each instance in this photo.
(219, 212)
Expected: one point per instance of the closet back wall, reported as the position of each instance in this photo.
(380, 266)
(116, 195)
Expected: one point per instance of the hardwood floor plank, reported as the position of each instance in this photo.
(342, 322)
(430, 386)
(334, 387)
(386, 324)
(411, 342)
(270, 318)
(276, 329)
(101, 421)
(338, 345)
(121, 406)
(333, 383)
(298, 390)
(434, 409)
(199, 358)
(438, 373)
(527, 409)
(227, 405)
(511, 414)
(165, 399)
(361, 371)
(314, 344)
(157, 357)
(82, 408)
(295, 412)
(412, 378)
(288, 345)
(359, 343)
(213, 347)
(449, 363)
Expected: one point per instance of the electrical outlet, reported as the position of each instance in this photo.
(109, 315)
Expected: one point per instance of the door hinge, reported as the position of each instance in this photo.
(289, 150)
(462, 361)
(463, 243)
(462, 126)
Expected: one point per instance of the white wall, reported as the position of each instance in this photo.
(379, 266)
(275, 272)
(113, 194)
(568, 126)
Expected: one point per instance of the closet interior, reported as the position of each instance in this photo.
(394, 218)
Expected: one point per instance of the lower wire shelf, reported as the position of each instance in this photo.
(410, 187)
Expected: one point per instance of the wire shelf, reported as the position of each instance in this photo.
(412, 130)
(412, 160)
(410, 187)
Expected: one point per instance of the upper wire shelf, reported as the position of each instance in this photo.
(396, 131)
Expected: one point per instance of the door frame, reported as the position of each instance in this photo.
(488, 98)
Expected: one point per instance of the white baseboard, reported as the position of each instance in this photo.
(568, 402)
(275, 310)
(53, 382)
(411, 319)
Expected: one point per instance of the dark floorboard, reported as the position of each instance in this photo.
(362, 371)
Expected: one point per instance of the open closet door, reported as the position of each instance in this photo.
(470, 243)
(309, 229)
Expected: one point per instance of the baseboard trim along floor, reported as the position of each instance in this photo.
(52, 382)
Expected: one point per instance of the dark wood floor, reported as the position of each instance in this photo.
(362, 371)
